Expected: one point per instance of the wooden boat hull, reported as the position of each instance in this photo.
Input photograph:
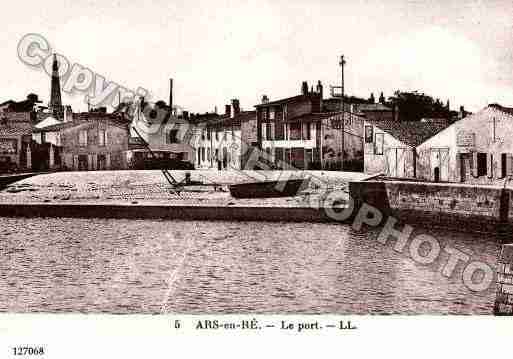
(268, 189)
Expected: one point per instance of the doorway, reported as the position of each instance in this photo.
(437, 174)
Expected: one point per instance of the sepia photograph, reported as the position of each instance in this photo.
(348, 159)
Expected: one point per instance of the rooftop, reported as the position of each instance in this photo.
(412, 133)
(285, 100)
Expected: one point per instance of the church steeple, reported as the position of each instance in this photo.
(55, 105)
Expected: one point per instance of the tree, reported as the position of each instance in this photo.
(413, 106)
(371, 98)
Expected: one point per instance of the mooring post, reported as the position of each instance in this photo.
(504, 296)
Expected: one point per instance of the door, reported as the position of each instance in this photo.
(440, 164)
(102, 162)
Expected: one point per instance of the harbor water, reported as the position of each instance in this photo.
(142, 266)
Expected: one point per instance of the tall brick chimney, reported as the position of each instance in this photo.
(236, 106)
(304, 88)
(462, 113)
(319, 88)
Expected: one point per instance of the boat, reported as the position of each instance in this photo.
(269, 189)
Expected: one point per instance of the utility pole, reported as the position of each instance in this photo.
(342, 63)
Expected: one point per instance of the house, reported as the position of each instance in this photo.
(168, 135)
(160, 135)
(219, 140)
(15, 138)
(364, 108)
(296, 133)
(391, 147)
(91, 141)
(475, 149)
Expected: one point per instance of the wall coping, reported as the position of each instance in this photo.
(440, 184)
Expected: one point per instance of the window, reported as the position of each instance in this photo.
(504, 165)
(264, 134)
(208, 154)
(268, 131)
(203, 154)
(101, 137)
(307, 131)
(172, 136)
(295, 131)
(82, 138)
(379, 143)
(217, 135)
(368, 134)
(271, 114)
(481, 164)
(208, 134)
(225, 136)
(280, 131)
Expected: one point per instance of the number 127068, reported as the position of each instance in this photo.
(27, 351)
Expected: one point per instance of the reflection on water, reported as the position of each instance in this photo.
(130, 266)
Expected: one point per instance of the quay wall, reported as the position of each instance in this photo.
(458, 206)
(504, 293)
(156, 211)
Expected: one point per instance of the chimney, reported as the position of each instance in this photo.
(228, 110)
(185, 115)
(395, 112)
(320, 88)
(171, 95)
(462, 112)
(236, 106)
(304, 88)
(265, 99)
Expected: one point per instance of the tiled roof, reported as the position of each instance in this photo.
(372, 107)
(16, 128)
(412, 133)
(312, 117)
(282, 101)
(225, 120)
(76, 122)
(508, 110)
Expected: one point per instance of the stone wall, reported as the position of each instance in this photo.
(475, 208)
(504, 297)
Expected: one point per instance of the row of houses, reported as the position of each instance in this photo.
(305, 131)
(474, 149)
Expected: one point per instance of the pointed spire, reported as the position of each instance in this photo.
(55, 105)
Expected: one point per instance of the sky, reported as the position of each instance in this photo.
(460, 51)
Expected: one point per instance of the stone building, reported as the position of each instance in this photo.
(91, 141)
(218, 138)
(169, 135)
(392, 148)
(15, 138)
(475, 149)
(296, 132)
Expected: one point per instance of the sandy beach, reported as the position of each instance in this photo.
(152, 187)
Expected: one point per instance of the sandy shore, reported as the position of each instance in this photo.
(151, 187)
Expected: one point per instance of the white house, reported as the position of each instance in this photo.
(391, 147)
(476, 149)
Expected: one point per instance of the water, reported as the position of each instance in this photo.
(130, 266)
